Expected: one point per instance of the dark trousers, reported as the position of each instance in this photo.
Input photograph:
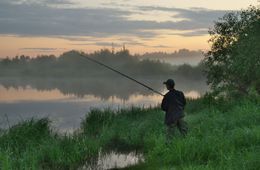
(180, 124)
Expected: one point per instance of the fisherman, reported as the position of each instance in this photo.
(173, 104)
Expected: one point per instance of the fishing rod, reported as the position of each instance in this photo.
(122, 74)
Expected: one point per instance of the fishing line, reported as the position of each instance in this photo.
(122, 74)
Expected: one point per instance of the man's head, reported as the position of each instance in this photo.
(169, 84)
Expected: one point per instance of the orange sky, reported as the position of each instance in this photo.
(12, 46)
(57, 27)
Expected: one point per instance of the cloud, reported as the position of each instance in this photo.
(48, 49)
(44, 2)
(192, 33)
(41, 49)
(110, 44)
(189, 13)
(33, 19)
(118, 45)
(161, 46)
(198, 16)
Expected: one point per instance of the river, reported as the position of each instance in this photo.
(66, 101)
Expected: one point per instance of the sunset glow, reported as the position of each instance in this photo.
(53, 27)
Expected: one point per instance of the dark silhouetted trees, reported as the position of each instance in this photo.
(71, 64)
(233, 62)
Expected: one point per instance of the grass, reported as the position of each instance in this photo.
(223, 135)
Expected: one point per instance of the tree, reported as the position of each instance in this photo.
(233, 62)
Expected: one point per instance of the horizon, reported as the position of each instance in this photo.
(176, 58)
(32, 28)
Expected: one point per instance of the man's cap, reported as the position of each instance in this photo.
(169, 82)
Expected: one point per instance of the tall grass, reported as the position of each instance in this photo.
(222, 135)
(32, 145)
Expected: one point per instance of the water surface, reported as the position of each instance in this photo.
(67, 101)
(113, 160)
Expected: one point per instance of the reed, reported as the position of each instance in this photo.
(222, 135)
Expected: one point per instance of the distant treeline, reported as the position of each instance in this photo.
(71, 64)
(176, 54)
(178, 57)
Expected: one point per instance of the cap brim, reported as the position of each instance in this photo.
(165, 82)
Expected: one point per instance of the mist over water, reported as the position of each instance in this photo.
(67, 87)
(67, 100)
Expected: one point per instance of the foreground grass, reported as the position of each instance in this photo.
(223, 135)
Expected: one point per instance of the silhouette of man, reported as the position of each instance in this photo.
(173, 104)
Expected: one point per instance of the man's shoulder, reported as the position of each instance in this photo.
(179, 94)
(167, 94)
(174, 93)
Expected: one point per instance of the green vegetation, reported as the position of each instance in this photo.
(223, 135)
(224, 131)
(31, 145)
(233, 62)
(73, 65)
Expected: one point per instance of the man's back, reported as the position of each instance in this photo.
(173, 104)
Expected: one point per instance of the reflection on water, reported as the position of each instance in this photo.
(99, 87)
(9, 95)
(66, 101)
(65, 113)
(114, 160)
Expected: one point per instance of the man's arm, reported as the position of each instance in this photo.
(164, 104)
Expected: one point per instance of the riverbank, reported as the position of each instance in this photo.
(222, 135)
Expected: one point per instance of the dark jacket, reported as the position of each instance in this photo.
(173, 104)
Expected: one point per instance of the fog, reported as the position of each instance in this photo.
(66, 88)
(179, 57)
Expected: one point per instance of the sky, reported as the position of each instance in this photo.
(36, 27)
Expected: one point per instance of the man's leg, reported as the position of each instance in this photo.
(182, 126)
(170, 132)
